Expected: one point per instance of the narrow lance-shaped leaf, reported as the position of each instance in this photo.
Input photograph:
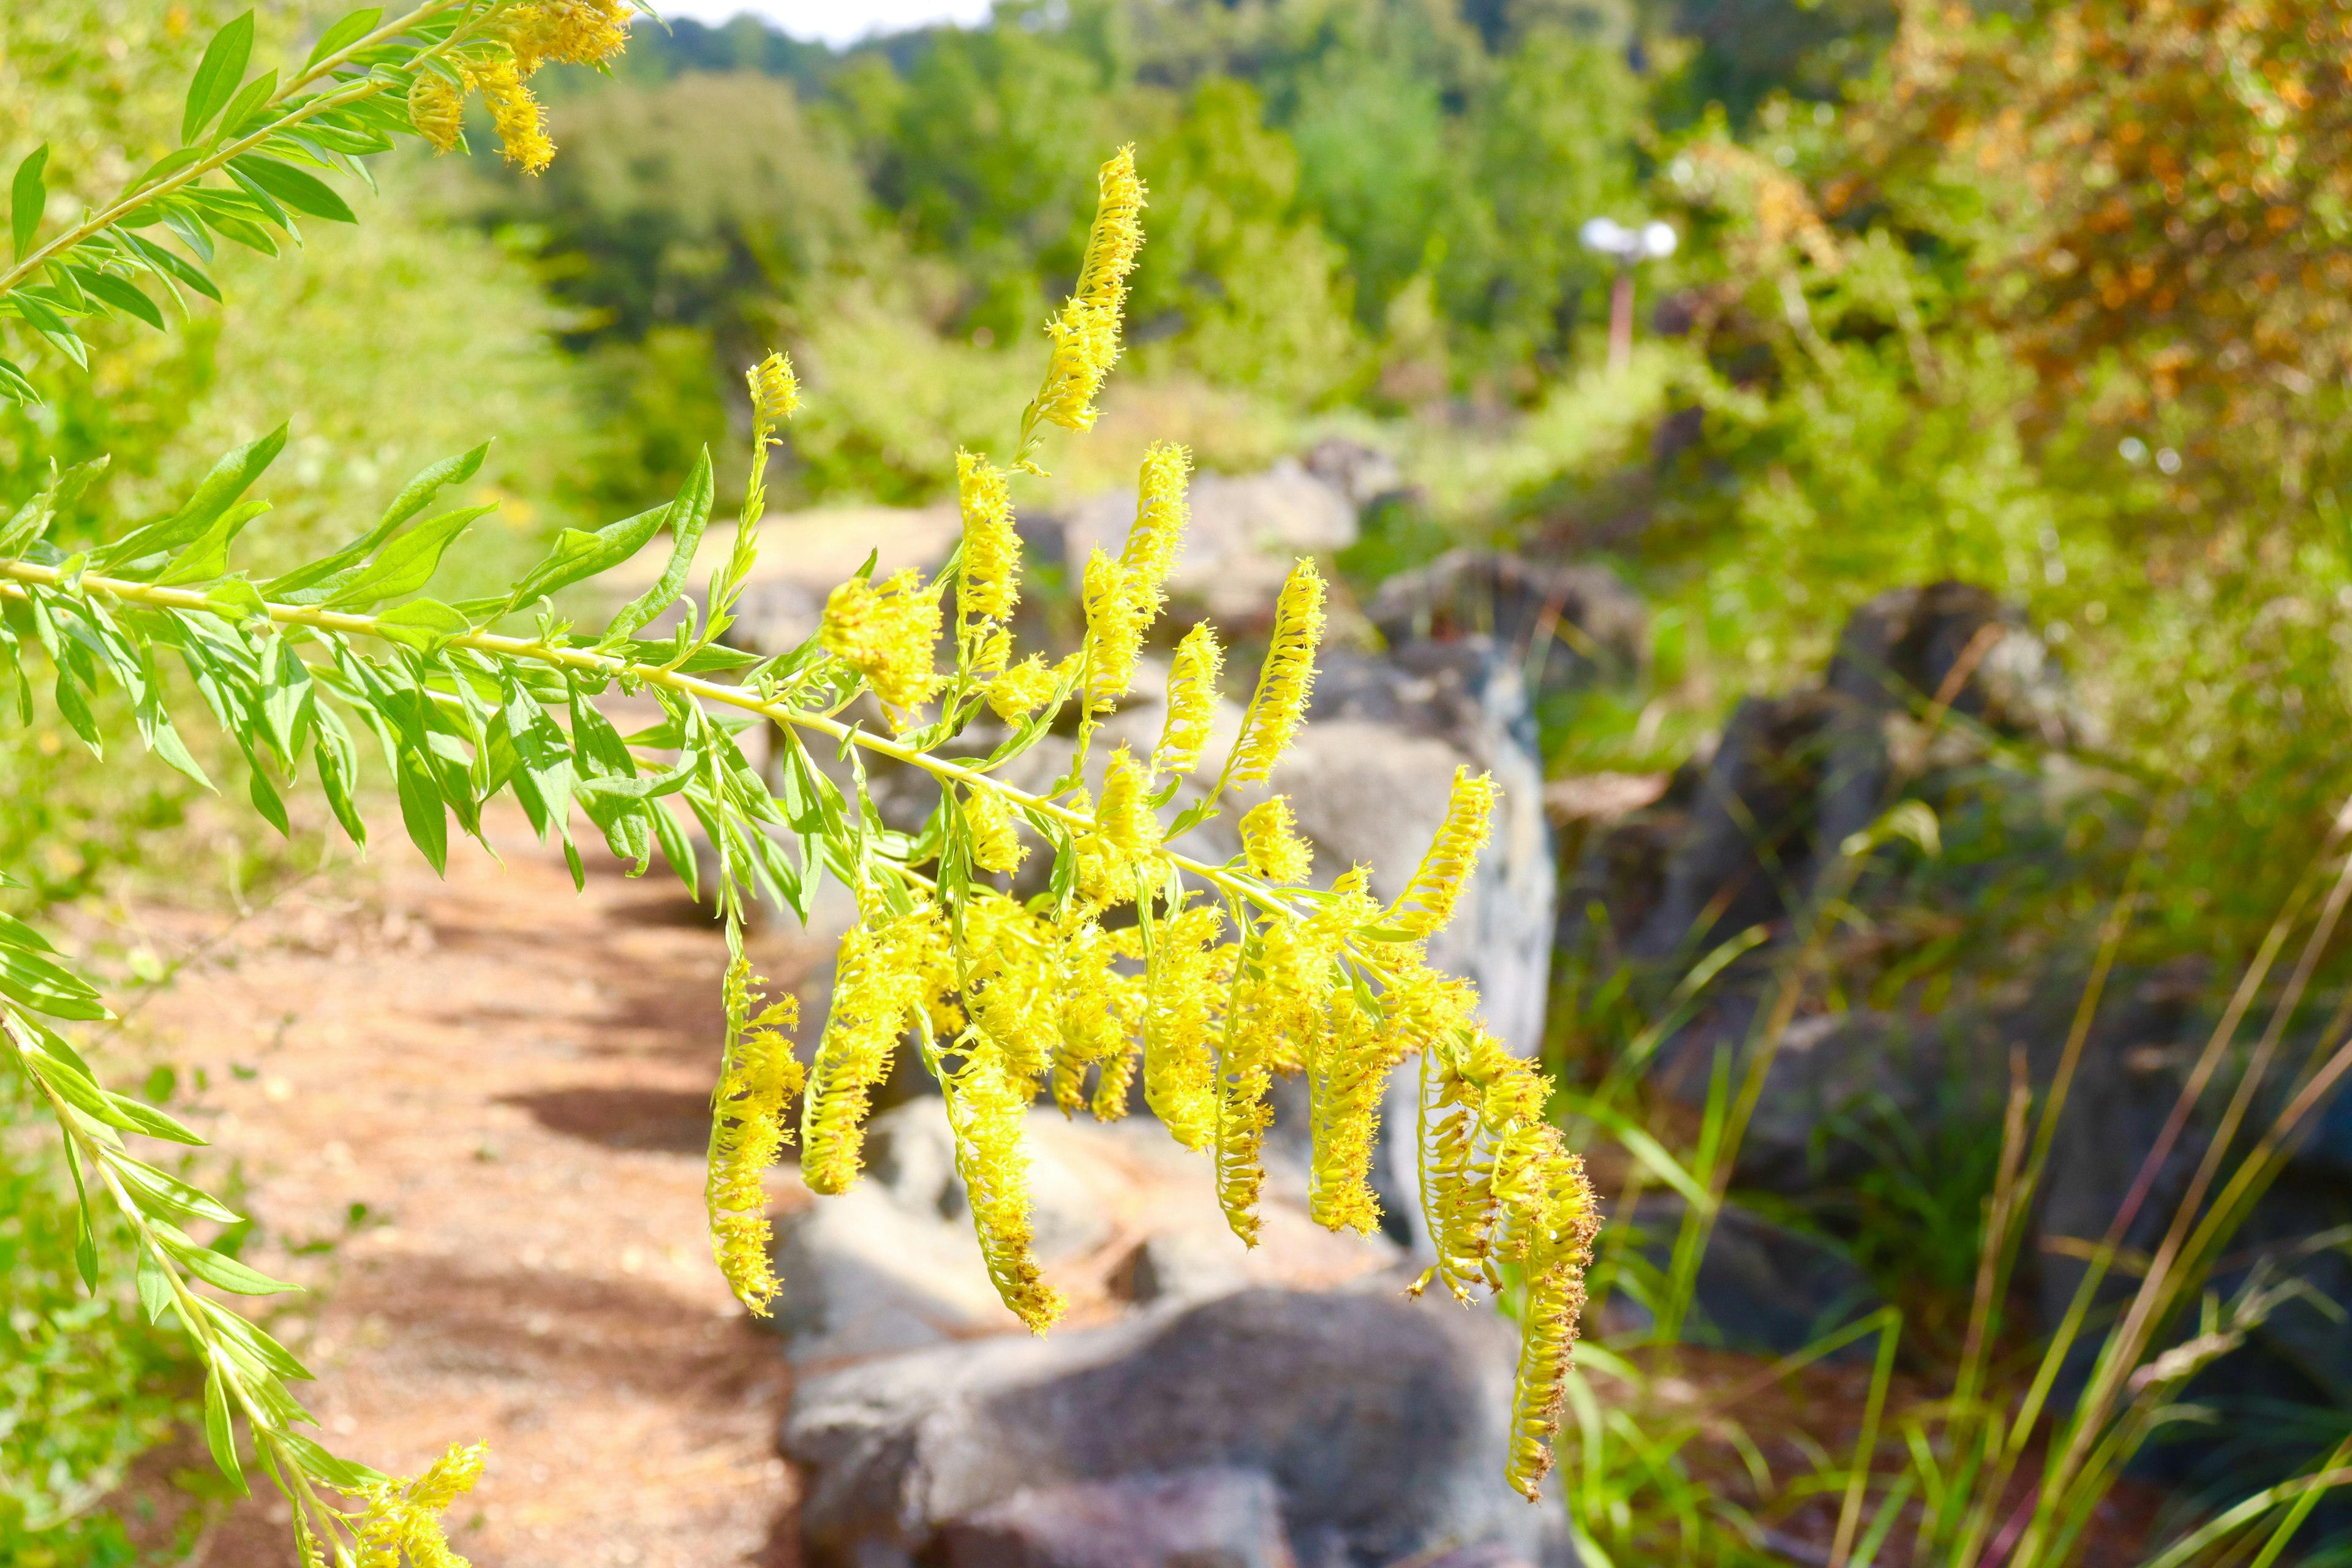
(688, 515)
(28, 194)
(229, 479)
(218, 75)
(414, 498)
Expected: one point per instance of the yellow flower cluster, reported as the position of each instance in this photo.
(1271, 845)
(1286, 680)
(403, 1516)
(889, 634)
(775, 395)
(1086, 333)
(1427, 902)
(890, 970)
(1227, 976)
(1192, 701)
(759, 1079)
(988, 582)
(551, 32)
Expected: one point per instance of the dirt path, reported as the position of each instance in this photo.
(471, 1115)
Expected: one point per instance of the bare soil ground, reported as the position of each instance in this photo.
(470, 1115)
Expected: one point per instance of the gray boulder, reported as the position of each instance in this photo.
(1211, 1518)
(1566, 625)
(1382, 1424)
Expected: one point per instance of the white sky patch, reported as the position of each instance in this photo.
(835, 22)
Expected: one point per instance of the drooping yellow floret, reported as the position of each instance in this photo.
(995, 839)
(520, 122)
(1114, 634)
(758, 1078)
(1192, 701)
(1185, 992)
(1117, 858)
(988, 1105)
(1097, 1008)
(1286, 680)
(1428, 900)
(1014, 958)
(888, 634)
(1086, 333)
(1023, 689)
(403, 1517)
(567, 32)
(437, 107)
(1546, 1345)
(775, 395)
(1271, 845)
(1161, 514)
(885, 971)
(1347, 1073)
(988, 582)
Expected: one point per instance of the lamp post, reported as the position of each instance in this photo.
(1628, 246)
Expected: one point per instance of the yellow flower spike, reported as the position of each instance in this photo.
(1014, 958)
(1244, 1072)
(885, 971)
(775, 395)
(993, 655)
(995, 837)
(1347, 1074)
(1286, 680)
(1114, 634)
(437, 109)
(1161, 515)
(1097, 1007)
(1086, 333)
(520, 122)
(887, 632)
(1184, 993)
(748, 1133)
(404, 1516)
(988, 580)
(1117, 859)
(1547, 1346)
(1192, 701)
(1428, 900)
(988, 1105)
(1023, 689)
(1271, 845)
(567, 32)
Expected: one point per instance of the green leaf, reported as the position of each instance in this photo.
(164, 264)
(122, 295)
(421, 809)
(36, 983)
(425, 625)
(170, 1196)
(577, 556)
(343, 1475)
(345, 33)
(28, 194)
(154, 1286)
(236, 598)
(214, 1268)
(254, 94)
(403, 566)
(688, 514)
(414, 498)
(219, 1435)
(228, 479)
(15, 932)
(218, 75)
(133, 1117)
(298, 189)
(207, 557)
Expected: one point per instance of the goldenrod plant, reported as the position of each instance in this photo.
(1209, 977)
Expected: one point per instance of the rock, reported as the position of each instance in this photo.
(1246, 531)
(1382, 1424)
(1187, 1263)
(1365, 475)
(1216, 1517)
(892, 1265)
(1761, 1288)
(1567, 625)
